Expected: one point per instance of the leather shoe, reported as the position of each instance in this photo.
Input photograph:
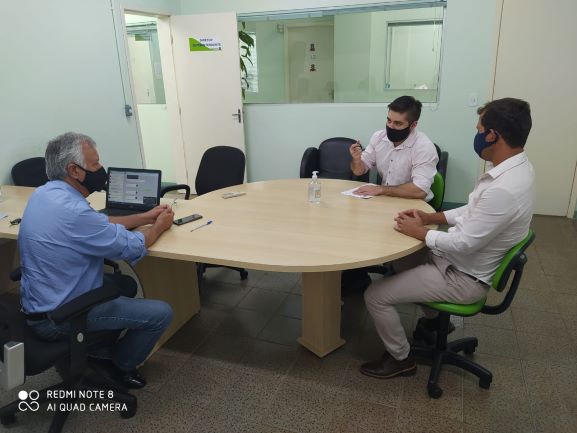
(390, 367)
(132, 379)
(129, 379)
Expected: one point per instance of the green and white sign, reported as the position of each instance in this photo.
(204, 44)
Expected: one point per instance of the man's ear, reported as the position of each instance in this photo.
(493, 135)
(73, 171)
(414, 124)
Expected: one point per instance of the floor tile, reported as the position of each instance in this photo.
(355, 416)
(216, 292)
(538, 322)
(291, 306)
(302, 407)
(279, 281)
(414, 422)
(245, 323)
(262, 300)
(282, 330)
(494, 341)
(415, 398)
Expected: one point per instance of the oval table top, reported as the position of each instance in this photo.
(273, 227)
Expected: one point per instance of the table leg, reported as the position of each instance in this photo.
(321, 314)
(173, 281)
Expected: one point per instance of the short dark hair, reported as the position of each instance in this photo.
(409, 105)
(510, 117)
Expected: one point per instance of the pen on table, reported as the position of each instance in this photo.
(203, 225)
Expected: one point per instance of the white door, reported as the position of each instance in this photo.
(207, 97)
(537, 61)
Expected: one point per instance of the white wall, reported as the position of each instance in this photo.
(277, 134)
(60, 72)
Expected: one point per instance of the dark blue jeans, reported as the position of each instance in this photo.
(145, 320)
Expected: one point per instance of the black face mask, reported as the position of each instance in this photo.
(94, 180)
(398, 134)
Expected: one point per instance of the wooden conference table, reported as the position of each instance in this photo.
(272, 228)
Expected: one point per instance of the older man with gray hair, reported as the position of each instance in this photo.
(63, 242)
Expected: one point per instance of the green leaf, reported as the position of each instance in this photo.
(246, 38)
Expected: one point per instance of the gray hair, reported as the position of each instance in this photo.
(63, 150)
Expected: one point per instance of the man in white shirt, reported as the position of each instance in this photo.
(461, 263)
(405, 157)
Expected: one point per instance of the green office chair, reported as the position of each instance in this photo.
(447, 353)
(438, 190)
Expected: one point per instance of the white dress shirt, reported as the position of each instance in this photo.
(496, 218)
(414, 160)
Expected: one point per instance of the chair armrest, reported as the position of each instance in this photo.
(81, 304)
(178, 187)
(115, 267)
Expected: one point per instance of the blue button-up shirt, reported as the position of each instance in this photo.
(63, 242)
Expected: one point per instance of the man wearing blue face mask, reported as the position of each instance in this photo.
(461, 262)
(63, 242)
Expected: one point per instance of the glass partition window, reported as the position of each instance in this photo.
(346, 56)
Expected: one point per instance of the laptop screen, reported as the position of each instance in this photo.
(133, 188)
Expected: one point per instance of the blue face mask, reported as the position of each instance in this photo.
(480, 142)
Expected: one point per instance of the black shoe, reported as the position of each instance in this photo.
(128, 379)
(132, 379)
(390, 367)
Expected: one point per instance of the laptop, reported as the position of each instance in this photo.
(131, 191)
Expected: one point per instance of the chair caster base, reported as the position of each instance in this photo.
(7, 419)
(434, 391)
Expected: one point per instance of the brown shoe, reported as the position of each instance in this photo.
(390, 367)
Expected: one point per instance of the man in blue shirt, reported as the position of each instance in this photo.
(63, 242)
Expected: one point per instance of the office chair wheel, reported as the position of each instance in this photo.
(434, 391)
(484, 383)
(243, 275)
(7, 419)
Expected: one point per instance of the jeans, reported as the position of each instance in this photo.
(145, 320)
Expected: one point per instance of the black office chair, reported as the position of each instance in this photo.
(220, 167)
(24, 354)
(332, 160)
(30, 172)
(177, 187)
(443, 162)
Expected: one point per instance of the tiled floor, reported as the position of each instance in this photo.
(236, 366)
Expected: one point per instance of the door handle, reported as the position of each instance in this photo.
(238, 116)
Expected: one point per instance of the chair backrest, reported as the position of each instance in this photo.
(438, 190)
(309, 162)
(443, 161)
(332, 160)
(30, 172)
(220, 167)
(514, 260)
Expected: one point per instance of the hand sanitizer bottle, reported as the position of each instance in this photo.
(315, 189)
